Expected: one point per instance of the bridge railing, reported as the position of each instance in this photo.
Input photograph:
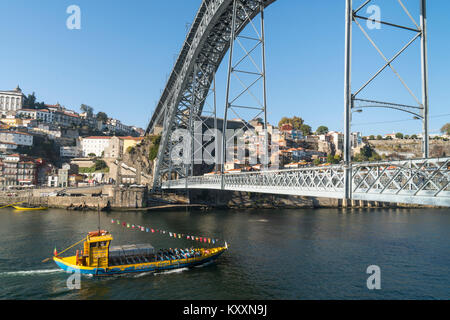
(422, 181)
(403, 180)
(312, 180)
(315, 178)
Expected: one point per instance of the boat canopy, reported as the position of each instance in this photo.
(131, 250)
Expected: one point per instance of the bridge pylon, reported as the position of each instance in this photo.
(353, 102)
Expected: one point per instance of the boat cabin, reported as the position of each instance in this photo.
(96, 250)
(98, 253)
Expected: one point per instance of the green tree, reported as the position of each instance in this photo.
(372, 137)
(337, 159)
(446, 129)
(101, 116)
(40, 105)
(334, 159)
(156, 140)
(414, 137)
(30, 101)
(89, 110)
(305, 129)
(399, 135)
(367, 153)
(322, 130)
(100, 165)
(379, 137)
(296, 122)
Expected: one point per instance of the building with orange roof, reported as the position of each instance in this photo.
(131, 142)
(16, 137)
(18, 170)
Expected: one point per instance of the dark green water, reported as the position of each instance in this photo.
(274, 254)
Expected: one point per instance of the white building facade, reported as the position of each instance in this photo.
(69, 152)
(6, 146)
(41, 115)
(18, 138)
(11, 101)
(94, 145)
(356, 139)
(115, 125)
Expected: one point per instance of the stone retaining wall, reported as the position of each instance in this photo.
(111, 198)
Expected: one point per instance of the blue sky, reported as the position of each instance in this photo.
(120, 59)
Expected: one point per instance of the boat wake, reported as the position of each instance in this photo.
(260, 220)
(144, 274)
(204, 264)
(171, 271)
(30, 272)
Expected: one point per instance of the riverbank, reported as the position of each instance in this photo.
(108, 198)
(104, 198)
(248, 200)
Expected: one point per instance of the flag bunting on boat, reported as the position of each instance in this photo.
(164, 232)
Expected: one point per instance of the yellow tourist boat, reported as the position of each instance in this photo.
(99, 259)
(29, 209)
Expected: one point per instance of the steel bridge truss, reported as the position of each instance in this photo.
(189, 84)
(424, 182)
(215, 31)
(420, 110)
(242, 15)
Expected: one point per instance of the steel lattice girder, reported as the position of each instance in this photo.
(184, 96)
(423, 181)
(205, 47)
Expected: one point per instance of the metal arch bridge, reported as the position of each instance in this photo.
(212, 34)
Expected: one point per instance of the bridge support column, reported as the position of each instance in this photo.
(424, 59)
(348, 102)
(346, 203)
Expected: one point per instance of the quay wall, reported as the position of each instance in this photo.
(248, 200)
(116, 198)
(109, 198)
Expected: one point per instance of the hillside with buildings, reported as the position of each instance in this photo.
(40, 144)
(411, 148)
(54, 146)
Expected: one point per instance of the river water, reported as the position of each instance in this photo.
(273, 254)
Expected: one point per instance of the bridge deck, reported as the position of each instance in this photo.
(423, 182)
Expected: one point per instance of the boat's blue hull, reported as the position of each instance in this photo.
(133, 268)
